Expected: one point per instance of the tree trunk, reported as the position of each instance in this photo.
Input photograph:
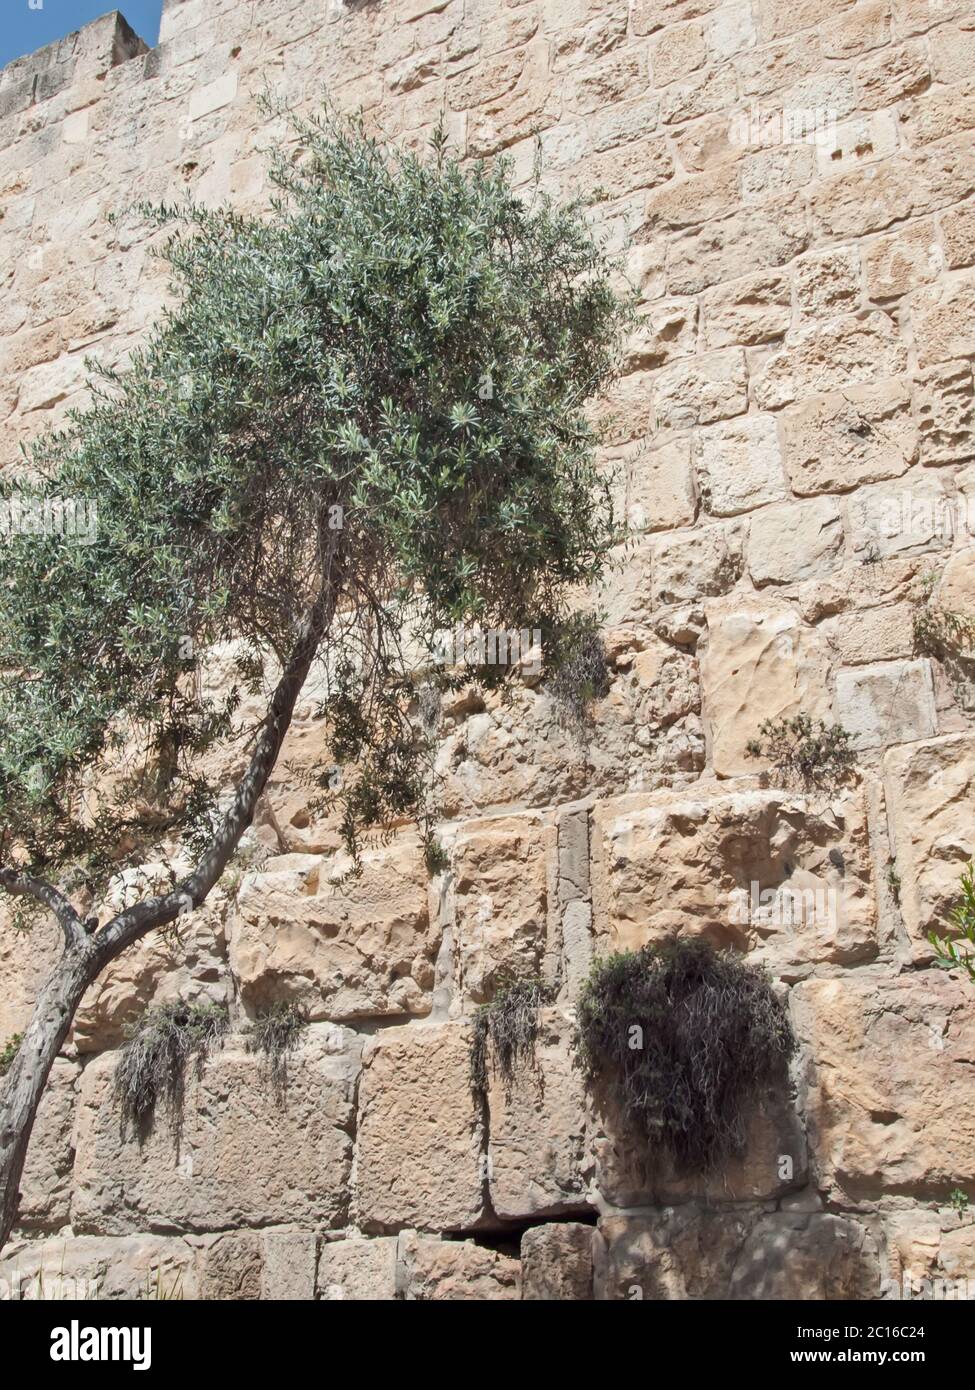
(85, 957)
(23, 1086)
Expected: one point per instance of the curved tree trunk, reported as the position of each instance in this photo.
(23, 1086)
(85, 956)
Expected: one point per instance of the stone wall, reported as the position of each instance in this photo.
(790, 183)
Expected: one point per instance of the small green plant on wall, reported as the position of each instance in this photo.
(951, 952)
(684, 1039)
(9, 1051)
(805, 753)
(153, 1059)
(505, 1033)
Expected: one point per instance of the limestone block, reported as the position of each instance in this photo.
(502, 869)
(92, 1267)
(660, 486)
(244, 1158)
(758, 869)
(288, 1265)
(230, 1267)
(931, 801)
(791, 543)
(946, 414)
(915, 515)
(886, 702)
(701, 390)
(45, 1186)
(759, 661)
(845, 352)
(944, 320)
(757, 238)
(753, 310)
(341, 950)
(556, 1263)
(689, 566)
(359, 1270)
(419, 1138)
(828, 282)
(739, 465)
(434, 1271)
(537, 1162)
(889, 1093)
(689, 1252)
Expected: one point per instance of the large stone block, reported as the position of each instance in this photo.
(91, 1267)
(772, 872)
(696, 1253)
(836, 442)
(45, 1188)
(358, 1270)
(435, 1271)
(502, 872)
(243, 1158)
(759, 661)
(931, 807)
(341, 950)
(887, 702)
(890, 1094)
(419, 1151)
(537, 1162)
(556, 1263)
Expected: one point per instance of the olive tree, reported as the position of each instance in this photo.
(362, 420)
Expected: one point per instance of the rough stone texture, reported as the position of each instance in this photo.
(689, 1252)
(931, 795)
(340, 951)
(791, 441)
(769, 871)
(434, 1271)
(556, 1263)
(536, 1161)
(358, 1270)
(419, 1135)
(92, 1267)
(891, 1107)
(243, 1158)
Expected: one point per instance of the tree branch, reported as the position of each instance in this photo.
(26, 886)
(159, 911)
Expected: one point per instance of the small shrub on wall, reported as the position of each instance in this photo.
(684, 1039)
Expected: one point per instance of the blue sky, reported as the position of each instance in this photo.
(23, 29)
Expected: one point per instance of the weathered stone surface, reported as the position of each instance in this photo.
(739, 465)
(946, 414)
(689, 1252)
(660, 487)
(758, 662)
(687, 567)
(91, 1267)
(890, 1104)
(288, 1264)
(886, 702)
(753, 310)
(339, 950)
(844, 352)
(359, 1270)
(931, 801)
(789, 543)
(537, 1162)
(244, 1159)
(434, 1271)
(419, 1136)
(756, 869)
(502, 869)
(230, 1267)
(556, 1263)
(834, 443)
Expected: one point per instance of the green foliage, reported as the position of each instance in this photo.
(579, 673)
(949, 954)
(805, 753)
(685, 1040)
(959, 1200)
(940, 632)
(380, 385)
(275, 1032)
(152, 1061)
(9, 1051)
(505, 1031)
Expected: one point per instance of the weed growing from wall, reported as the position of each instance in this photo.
(805, 753)
(505, 1032)
(276, 1033)
(684, 1040)
(580, 675)
(153, 1059)
(9, 1051)
(949, 955)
